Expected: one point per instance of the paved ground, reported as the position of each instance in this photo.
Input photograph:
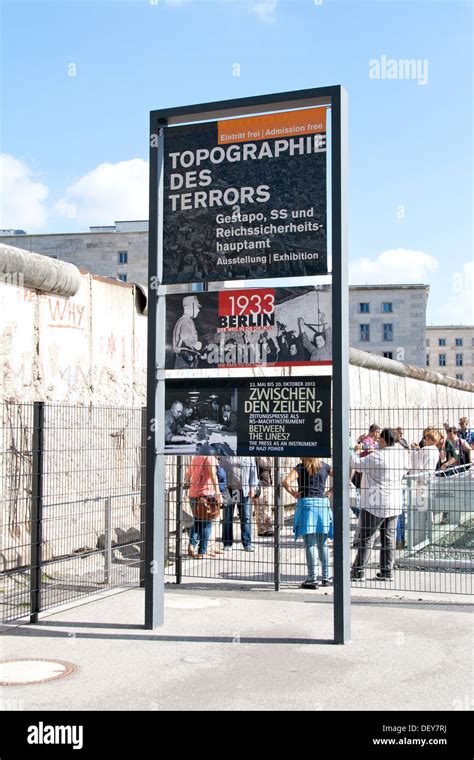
(251, 649)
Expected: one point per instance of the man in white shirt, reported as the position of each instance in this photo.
(381, 501)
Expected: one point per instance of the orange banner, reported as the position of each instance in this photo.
(272, 126)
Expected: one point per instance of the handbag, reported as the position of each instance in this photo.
(206, 508)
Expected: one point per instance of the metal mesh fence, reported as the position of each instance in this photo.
(16, 494)
(73, 494)
(72, 487)
(420, 536)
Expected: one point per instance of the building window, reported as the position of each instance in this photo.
(459, 376)
(458, 341)
(427, 342)
(364, 308)
(123, 257)
(459, 361)
(364, 333)
(442, 360)
(441, 341)
(427, 360)
(388, 332)
(387, 307)
(388, 354)
(123, 277)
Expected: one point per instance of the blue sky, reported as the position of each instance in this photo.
(79, 80)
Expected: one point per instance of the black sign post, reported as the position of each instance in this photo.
(238, 190)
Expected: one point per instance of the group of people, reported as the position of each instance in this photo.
(232, 483)
(244, 483)
(380, 461)
(180, 415)
(309, 342)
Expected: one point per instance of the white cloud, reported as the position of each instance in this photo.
(264, 9)
(458, 306)
(23, 199)
(107, 193)
(398, 265)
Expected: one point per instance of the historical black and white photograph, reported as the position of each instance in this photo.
(246, 328)
(201, 418)
(246, 415)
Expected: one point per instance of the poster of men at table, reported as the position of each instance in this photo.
(245, 198)
(272, 327)
(239, 416)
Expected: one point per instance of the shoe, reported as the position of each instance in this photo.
(270, 533)
(326, 582)
(357, 575)
(309, 584)
(249, 549)
(192, 552)
(384, 576)
(400, 545)
(227, 548)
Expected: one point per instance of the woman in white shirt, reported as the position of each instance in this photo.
(427, 458)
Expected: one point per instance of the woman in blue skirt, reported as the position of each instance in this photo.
(313, 517)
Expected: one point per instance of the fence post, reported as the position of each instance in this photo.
(36, 511)
(143, 496)
(277, 524)
(108, 540)
(179, 501)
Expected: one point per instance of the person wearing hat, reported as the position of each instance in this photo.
(186, 343)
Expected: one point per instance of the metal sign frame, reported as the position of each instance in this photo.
(335, 98)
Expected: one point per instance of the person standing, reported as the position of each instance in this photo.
(370, 441)
(241, 481)
(263, 500)
(455, 449)
(201, 476)
(381, 501)
(313, 517)
(186, 343)
(466, 436)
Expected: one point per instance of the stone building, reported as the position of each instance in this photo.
(450, 350)
(119, 251)
(389, 320)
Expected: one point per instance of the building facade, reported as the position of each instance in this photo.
(119, 251)
(389, 320)
(450, 351)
